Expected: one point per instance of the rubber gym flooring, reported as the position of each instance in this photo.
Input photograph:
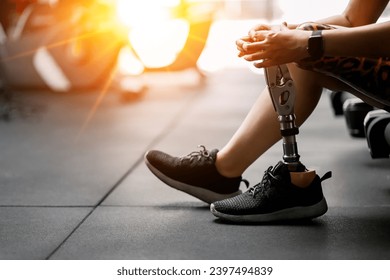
(73, 184)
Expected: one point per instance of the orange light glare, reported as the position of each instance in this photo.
(158, 46)
(128, 64)
(134, 13)
(154, 34)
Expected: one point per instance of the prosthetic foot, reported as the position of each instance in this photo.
(282, 91)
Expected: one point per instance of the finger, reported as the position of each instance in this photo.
(255, 47)
(246, 39)
(256, 56)
(243, 50)
(284, 26)
(259, 27)
(264, 63)
(240, 44)
(243, 40)
(258, 35)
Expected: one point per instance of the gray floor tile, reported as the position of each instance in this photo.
(35, 232)
(56, 158)
(141, 188)
(189, 231)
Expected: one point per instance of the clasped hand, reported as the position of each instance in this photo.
(268, 45)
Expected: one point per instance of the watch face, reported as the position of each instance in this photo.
(315, 45)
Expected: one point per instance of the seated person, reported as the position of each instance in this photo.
(353, 55)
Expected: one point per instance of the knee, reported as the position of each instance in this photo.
(305, 77)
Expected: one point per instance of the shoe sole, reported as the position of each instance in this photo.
(294, 213)
(200, 193)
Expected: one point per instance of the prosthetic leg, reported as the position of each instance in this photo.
(282, 91)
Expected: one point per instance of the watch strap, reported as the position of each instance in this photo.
(316, 33)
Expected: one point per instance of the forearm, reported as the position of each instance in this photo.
(365, 41)
(356, 13)
(338, 20)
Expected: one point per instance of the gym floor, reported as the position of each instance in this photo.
(73, 183)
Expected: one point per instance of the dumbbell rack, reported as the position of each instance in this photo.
(364, 121)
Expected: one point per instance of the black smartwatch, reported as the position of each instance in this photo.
(315, 45)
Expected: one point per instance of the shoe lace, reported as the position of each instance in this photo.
(265, 184)
(198, 155)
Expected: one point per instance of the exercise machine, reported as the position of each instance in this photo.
(66, 46)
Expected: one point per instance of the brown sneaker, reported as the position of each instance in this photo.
(195, 174)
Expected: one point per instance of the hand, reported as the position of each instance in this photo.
(242, 43)
(267, 46)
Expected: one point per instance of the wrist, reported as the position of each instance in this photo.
(302, 46)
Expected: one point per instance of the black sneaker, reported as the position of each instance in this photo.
(194, 174)
(275, 198)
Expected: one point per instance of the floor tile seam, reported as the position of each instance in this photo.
(362, 206)
(116, 184)
(180, 206)
(70, 234)
(164, 132)
(175, 120)
(149, 206)
(47, 206)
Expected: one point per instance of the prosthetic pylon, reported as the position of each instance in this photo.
(282, 91)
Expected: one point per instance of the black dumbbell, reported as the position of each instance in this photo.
(337, 99)
(378, 139)
(355, 110)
